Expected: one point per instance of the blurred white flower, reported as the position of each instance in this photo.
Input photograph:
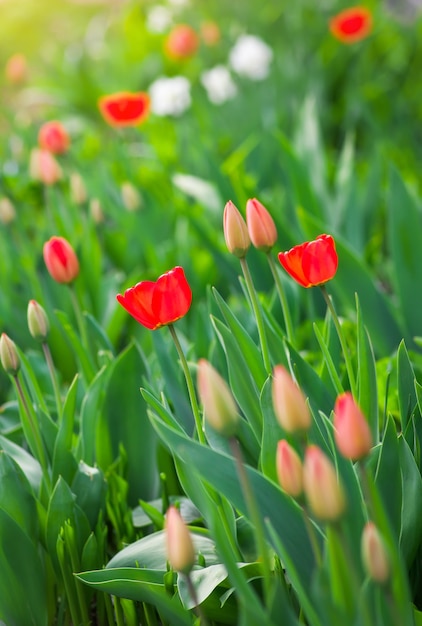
(170, 96)
(251, 57)
(218, 84)
(199, 189)
(178, 3)
(159, 18)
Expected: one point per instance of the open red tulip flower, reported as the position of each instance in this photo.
(352, 24)
(125, 108)
(311, 263)
(156, 304)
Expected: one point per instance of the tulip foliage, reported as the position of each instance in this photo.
(210, 348)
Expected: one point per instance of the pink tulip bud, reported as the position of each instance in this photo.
(289, 469)
(16, 69)
(220, 409)
(235, 231)
(9, 355)
(374, 554)
(61, 260)
(352, 433)
(38, 323)
(323, 491)
(53, 137)
(182, 42)
(290, 406)
(261, 226)
(180, 549)
(44, 167)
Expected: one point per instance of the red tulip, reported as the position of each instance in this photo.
(53, 137)
(352, 24)
(61, 260)
(155, 304)
(182, 42)
(125, 108)
(311, 263)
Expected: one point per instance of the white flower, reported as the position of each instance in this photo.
(251, 57)
(218, 84)
(199, 189)
(170, 96)
(178, 3)
(159, 18)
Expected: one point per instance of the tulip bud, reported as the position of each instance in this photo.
(180, 549)
(290, 406)
(44, 167)
(16, 69)
(210, 33)
(261, 226)
(220, 409)
(324, 493)
(77, 189)
(352, 433)
(96, 211)
(131, 197)
(53, 137)
(289, 469)
(235, 231)
(61, 260)
(7, 211)
(38, 323)
(9, 355)
(182, 42)
(374, 554)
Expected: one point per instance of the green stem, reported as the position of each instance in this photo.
(194, 597)
(79, 319)
(312, 537)
(258, 315)
(190, 385)
(39, 450)
(53, 376)
(255, 517)
(283, 299)
(344, 347)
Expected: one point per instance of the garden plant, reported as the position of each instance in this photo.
(211, 314)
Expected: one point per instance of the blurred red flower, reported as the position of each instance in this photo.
(53, 137)
(155, 304)
(125, 108)
(182, 42)
(311, 263)
(352, 24)
(61, 260)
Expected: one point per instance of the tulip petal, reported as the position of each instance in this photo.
(320, 261)
(292, 263)
(138, 302)
(124, 108)
(172, 296)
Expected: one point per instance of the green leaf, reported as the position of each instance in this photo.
(64, 462)
(90, 488)
(16, 496)
(140, 585)
(22, 582)
(271, 434)
(408, 400)
(367, 376)
(388, 478)
(405, 241)
(411, 524)
(91, 408)
(26, 462)
(75, 343)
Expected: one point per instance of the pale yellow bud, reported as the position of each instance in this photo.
(220, 409)
(7, 211)
(180, 549)
(131, 197)
(77, 189)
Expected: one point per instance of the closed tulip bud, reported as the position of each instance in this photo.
(352, 433)
(44, 167)
(374, 554)
(180, 549)
(9, 355)
(261, 226)
(38, 323)
(182, 42)
(96, 211)
(53, 137)
(289, 469)
(7, 211)
(131, 197)
(16, 70)
(77, 189)
(61, 260)
(220, 409)
(210, 33)
(235, 231)
(323, 491)
(290, 406)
